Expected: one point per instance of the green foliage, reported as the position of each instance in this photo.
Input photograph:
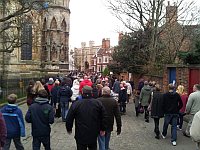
(106, 71)
(132, 53)
(191, 57)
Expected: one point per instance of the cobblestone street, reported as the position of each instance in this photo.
(136, 135)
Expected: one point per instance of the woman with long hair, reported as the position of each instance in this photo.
(184, 97)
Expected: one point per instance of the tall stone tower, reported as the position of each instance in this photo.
(55, 37)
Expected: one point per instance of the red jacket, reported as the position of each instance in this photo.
(184, 99)
(84, 83)
(3, 131)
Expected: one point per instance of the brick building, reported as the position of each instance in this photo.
(103, 56)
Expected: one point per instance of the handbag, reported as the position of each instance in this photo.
(140, 109)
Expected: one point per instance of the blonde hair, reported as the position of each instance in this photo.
(38, 86)
(180, 89)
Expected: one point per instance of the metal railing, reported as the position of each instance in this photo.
(16, 86)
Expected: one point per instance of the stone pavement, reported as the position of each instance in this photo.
(136, 135)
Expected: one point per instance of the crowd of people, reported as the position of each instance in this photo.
(93, 103)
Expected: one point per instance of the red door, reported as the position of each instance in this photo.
(194, 78)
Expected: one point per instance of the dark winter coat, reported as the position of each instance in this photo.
(112, 110)
(40, 114)
(116, 87)
(64, 94)
(90, 119)
(172, 103)
(122, 95)
(14, 121)
(54, 94)
(157, 105)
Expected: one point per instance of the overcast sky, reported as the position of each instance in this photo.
(90, 20)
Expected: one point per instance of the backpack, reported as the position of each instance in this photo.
(65, 91)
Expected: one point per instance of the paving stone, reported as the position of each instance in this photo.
(136, 135)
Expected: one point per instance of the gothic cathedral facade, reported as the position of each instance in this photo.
(44, 46)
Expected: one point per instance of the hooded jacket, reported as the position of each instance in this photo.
(145, 95)
(14, 121)
(40, 114)
(172, 103)
(75, 90)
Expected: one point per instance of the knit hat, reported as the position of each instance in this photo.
(106, 90)
(87, 89)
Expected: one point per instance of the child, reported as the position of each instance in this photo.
(136, 101)
(14, 123)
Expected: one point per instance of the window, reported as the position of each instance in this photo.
(106, 60)
(26, 39)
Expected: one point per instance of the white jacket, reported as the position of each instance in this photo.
(195, 127)
(75, 90)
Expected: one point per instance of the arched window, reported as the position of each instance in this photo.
(26, 40)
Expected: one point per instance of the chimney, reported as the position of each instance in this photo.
(120, 36)
(105, 43)
(171, 13)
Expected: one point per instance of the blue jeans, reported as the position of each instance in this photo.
(104, 141)
(170, 119)
(64, 109)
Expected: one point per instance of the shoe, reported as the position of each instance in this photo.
(174, 143)
(184, 133)
(157, 137)
(178, 128)
(162, 135)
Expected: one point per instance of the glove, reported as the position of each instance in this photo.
(118, 131)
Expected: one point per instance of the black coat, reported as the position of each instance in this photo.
(112, 110)
(157, 105)
(40, 114)
(90, 119)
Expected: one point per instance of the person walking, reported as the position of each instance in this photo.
(3, 131)
(14, 123)
(112, 111)
(156, 107)
(85, 82)
(184, 97)
(172, 104)
(192, 107)
(40, 114)
(145, 98)
(64, 97)
(90, 120)
(122, 99)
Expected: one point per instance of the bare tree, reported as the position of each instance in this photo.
(150, 16)
(11, 18)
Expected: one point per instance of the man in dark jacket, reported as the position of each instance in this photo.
(172, 103)
(89, 115)
(40, 114)
(64, 97)
(112, 110)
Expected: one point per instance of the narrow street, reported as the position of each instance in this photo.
(136, 135)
